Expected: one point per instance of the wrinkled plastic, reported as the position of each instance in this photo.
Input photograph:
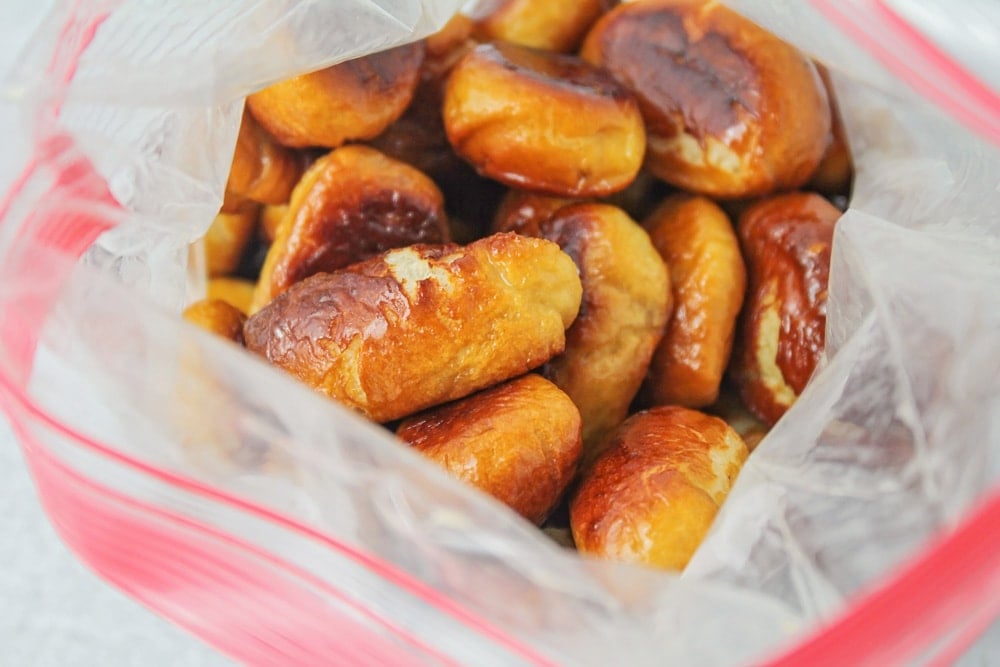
(147, 436)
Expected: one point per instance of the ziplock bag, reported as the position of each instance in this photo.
(284, 529)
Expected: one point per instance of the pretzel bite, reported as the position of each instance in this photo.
(518, 441)
(270, 218)
(227, 239)
(418, 326)
(652, 496)
(446, 47)
(708, 280)
(543, 122)
(354, 100)
(553, 25)
(237, 292)
(263, 170)
(351, 204)
(626, 303)
(730, 110)
(786, 242)
(233, 203)
(523, 212)
(218, 317)
(835, 172)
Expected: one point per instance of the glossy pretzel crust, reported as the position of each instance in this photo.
(419, 326)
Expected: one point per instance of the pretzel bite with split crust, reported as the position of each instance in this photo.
(708, 279)
(731, 110)
(422, 325)
(626, 303)
(354, 100)
(518, 441)
(552, 25)
(652, 496)
(786, 242)
(351, 204)
(218, 317)
(543, 122)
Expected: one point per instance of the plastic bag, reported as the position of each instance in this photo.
(284, 529)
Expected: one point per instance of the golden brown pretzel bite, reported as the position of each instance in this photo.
(518, 441)
(543, 122)
(354, 100)
(786, 242)
(227, 239)
(232, 202)
(835, 172)
(418, 326)
(351, 204)
(237, 292)
(552, 25)
(626, 303)
(270, 219)
(218, 317)
(263, 170)
(730, 109)
(652, 496)
(708, 279)
(445, 48)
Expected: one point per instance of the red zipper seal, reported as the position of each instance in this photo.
(952, 585)
(921, 63)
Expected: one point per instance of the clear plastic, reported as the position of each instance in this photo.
(148, 437)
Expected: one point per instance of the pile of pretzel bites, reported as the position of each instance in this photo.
(575, 253)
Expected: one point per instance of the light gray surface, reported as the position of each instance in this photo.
(53, 611)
